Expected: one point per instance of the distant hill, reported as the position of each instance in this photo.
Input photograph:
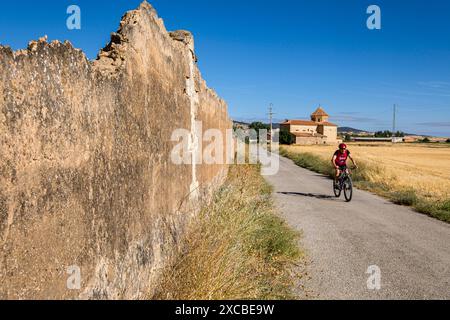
(349, 129)
(344, 130)
(246, 124)
(276, 125)
(241, 123)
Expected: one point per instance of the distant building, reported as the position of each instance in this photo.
(374, 139)
(315, 131)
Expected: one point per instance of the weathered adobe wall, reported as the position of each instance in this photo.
(85, 171)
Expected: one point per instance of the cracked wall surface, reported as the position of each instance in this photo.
(85, 171)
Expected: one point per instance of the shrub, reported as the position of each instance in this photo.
(440, 211)
(445, 205)
(404, 198)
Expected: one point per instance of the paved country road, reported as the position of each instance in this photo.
(343, 239)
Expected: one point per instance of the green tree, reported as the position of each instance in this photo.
(347, 138)
(286, 137)
(388, 134)
(383, 134)
(257, 126)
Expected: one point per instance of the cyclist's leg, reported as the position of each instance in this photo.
(345, 169)
(342, 170)
(337, 174)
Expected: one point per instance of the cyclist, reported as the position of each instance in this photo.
(339, 160)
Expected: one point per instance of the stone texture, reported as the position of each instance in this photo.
(85, 171)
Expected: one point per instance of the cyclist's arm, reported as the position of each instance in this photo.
(354, 163)
(333, 161)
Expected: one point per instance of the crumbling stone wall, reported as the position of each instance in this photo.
(86, 177)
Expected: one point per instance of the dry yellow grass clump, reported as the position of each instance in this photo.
(236, 249)
(424, 168)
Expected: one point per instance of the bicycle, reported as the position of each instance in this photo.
(344, 183)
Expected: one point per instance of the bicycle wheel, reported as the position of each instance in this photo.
(348, 189)
(336, 189)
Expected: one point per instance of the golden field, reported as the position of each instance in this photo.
(424, 168)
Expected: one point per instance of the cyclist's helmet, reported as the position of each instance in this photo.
(342, 146)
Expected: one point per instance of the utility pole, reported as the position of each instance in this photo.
(270, 119)
(393, 120)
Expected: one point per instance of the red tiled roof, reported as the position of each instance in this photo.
(319, 112)
(307, 123)
(300, 122)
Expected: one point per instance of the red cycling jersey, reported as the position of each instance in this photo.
(341, 158)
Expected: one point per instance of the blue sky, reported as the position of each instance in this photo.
(294, 54)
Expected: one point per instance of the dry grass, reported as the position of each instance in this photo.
(408, 174)
(237, 248)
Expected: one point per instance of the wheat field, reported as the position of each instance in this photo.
(424, 168)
